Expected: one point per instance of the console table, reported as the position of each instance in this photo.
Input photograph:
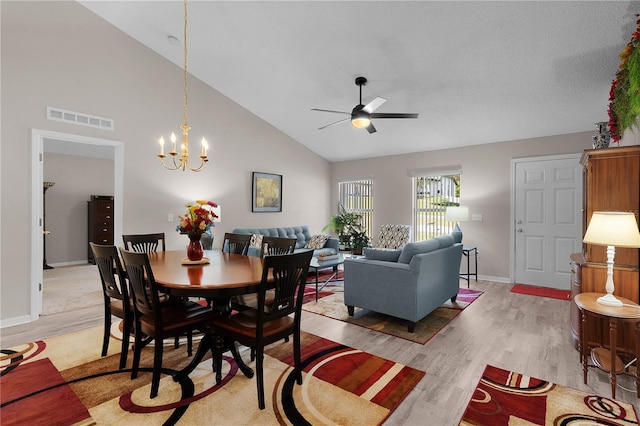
(607, 359)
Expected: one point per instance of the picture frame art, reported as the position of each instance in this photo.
(266, 195)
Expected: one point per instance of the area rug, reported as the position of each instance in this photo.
(63, 380)
(507, 398)
(333, 306)
(541, 291)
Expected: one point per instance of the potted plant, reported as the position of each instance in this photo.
(359, 240)
(344, 223)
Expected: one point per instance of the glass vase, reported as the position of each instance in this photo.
(194, 249)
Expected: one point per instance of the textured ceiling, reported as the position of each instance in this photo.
(476, 72)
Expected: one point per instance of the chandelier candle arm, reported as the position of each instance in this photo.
(183, 162)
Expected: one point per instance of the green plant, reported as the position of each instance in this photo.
(344, 223)
(359, 239)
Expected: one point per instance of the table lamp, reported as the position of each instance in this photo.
(612, 229)
(457, 214)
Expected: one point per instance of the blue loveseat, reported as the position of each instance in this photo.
(301, 233)
(407, 283)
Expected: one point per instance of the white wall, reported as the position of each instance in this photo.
(60, 54)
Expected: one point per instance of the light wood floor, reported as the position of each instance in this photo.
(527, 334)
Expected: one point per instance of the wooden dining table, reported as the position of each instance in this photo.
(222, 276)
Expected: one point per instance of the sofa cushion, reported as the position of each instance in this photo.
(388, 255)
(256, 240)
(445, 240)
(317, 241)
(411, 249)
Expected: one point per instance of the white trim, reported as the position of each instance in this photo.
(512, 226)
(38, 137)
(436, 171)
(72, 263)
(10, 322)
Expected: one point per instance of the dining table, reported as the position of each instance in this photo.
(216, 278)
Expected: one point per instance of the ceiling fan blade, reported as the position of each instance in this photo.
(330, 110)
(337, 122)
(394, 115)
(374, 104)
(371, 128)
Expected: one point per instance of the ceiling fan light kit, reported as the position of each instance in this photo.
(361, 115)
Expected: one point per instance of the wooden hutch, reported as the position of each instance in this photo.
(611, 182)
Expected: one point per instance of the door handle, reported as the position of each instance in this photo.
(519, 222)
(519, 230)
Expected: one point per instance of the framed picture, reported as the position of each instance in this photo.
(267, 193)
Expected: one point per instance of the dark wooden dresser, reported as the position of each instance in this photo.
(100, 209)
(611, 182)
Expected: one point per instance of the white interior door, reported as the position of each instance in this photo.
(547, 219)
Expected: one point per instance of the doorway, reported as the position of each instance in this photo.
(81, 146)
(547, 219)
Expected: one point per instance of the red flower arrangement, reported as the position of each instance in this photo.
(198, 218)
(624, 96)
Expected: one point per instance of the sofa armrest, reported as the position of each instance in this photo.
(332, 243)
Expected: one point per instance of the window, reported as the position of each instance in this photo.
(357, 197)
(433, 193)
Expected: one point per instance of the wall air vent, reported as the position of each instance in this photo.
(79, 118)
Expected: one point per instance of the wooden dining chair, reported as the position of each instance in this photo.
(156, 320)
(116, 296)
(277, 245)
(236, 243)
(149, 243)
(286, 275)
(144, 243)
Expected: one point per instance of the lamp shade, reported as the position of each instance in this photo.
(618, 229)
(457, 214)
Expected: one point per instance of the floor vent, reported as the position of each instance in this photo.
(79, 118)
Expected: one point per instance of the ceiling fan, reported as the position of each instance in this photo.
(361, 115)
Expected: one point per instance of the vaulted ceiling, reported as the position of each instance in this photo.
(476, 72)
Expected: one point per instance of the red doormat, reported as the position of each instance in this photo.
(507, 398)
(541, 291)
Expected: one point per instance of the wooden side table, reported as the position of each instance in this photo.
(607, 360)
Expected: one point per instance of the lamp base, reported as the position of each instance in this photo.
(609, 300)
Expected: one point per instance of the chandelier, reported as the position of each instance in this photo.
(181, 160)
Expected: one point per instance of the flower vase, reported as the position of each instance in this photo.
(603, 136)
(194, 249)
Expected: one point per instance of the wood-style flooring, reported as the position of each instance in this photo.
(527, 334)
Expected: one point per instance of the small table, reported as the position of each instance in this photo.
(466, 251)
(317, 264)
(607, 360)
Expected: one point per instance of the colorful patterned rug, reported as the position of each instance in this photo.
(332, 306)
(506, 398)
(63, 380)
(541, 291)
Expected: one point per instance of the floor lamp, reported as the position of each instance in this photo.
(612, 229)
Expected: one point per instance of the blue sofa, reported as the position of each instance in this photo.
(301, 233)
(407, 283)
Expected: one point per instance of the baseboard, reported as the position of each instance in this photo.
(10, 322)
(75, 262)
(495, 279)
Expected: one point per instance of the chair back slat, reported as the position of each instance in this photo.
(236, 243)
(144, 243)
(276, 245)
(145, 296)
(286, 275)
(112, 276)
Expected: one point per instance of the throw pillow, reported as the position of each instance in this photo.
(388, 255)
(256, 240)
(317, 242)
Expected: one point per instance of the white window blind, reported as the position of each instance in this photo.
(357, 197)
(433, 193)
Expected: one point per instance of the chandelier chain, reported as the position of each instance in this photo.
(185, 62)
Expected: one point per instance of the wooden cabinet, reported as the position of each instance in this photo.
(611, 182)
(100, 209)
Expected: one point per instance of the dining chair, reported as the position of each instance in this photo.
(156, 320)
(277, 245)
(116, 296)
(236, 243)
(286, 274)
(144, 243)
(149, 243)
